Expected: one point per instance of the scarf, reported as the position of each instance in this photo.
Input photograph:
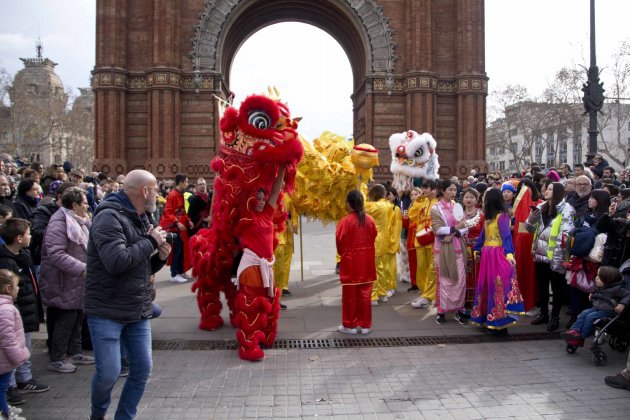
(449, 252)
(77, 228)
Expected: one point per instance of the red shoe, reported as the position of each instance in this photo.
(571, 335)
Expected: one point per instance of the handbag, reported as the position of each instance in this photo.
(597, 252)
(425, 236)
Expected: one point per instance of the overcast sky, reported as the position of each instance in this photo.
(526, 42)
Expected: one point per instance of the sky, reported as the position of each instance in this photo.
(527, 41)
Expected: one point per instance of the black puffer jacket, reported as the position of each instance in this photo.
(28, 300)
(120, 259)
(41, 216)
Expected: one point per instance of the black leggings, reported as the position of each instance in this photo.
(544, 276)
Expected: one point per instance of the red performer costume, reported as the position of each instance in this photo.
(174, 214)
(357, 270)
(257, 140)
(523, 240)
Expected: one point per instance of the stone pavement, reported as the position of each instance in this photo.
(531, 379)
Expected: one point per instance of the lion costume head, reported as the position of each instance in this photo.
(413, 156)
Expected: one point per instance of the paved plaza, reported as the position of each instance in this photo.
(514, 379)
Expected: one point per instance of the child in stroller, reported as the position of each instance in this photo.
(609, 300)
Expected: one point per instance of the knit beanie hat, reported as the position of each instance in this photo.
(553, 176)
(508, 186)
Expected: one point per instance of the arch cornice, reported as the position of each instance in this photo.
(365, 15)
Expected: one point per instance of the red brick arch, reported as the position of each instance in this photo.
(417, 64)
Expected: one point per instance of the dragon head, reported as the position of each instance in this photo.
(262, 130)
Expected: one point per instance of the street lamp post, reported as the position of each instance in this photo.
(593, 95)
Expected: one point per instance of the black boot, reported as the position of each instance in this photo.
(541, 319)
(553, 324)
(571, 321)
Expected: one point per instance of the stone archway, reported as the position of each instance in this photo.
(417, 64)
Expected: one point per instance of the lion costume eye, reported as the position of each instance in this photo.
(418, 153)
(259, 119)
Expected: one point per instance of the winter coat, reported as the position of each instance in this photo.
(22, 209)
(617, 292)
(41, 216)
(28, 300)
(14, 351)
(61, 278)
(542, 233)
(121, 257)
(616, 249)
(580, 205)
(355, 245)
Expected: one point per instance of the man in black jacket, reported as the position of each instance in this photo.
(123, 252)
(579, 198)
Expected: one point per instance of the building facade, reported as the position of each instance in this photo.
(549, 135)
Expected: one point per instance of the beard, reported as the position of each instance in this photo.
(150, 206)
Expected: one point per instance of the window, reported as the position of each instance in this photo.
(502, 165)
(514, 132)
(514, 147)
(538, 150)
(564, 152)
(492, 151)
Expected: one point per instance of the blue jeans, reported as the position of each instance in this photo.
(177, 264)
(107, 336)
(23, 372)
(584, 322)
(4, 387)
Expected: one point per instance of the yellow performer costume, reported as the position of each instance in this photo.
(425, 269)
(395, 230)
(383, 213)
(284, 251)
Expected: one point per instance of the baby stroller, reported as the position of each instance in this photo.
(616, 329)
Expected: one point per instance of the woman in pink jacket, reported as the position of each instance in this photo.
(13, 350)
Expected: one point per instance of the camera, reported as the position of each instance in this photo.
(171, 237)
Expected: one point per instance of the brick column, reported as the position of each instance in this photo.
(108, 83)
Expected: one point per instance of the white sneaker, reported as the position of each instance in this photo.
(365, 330)
(186, 276)
(422, 303)
(405, 280)
(16, 410)
(14, 415)
(375, 303)
(382, 299)
(417, 303)
(533, 312)
(390, 293)
(178, 279)
(346, 330)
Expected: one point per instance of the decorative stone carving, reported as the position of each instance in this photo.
(211, 21)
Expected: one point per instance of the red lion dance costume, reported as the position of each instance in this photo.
(256, 139)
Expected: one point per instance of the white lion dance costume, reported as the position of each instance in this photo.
(413, 156)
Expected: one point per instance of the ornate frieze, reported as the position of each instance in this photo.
(431, 84)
